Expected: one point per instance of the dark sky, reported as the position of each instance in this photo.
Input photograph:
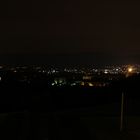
(70, 32)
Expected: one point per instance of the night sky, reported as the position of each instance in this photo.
(69, 32)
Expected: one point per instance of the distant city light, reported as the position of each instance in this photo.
(53, 84)
(43, 71)
(73, 84)
(53, 71)
(130, 69)
(90, 84)
(87, 77)
(106, 71)
(82, 84)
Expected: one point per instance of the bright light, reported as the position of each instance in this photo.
(53, 84)
(106, 71)
(73, 84)
(130, 70)
(90, 84)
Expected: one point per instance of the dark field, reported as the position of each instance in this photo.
(70, 113)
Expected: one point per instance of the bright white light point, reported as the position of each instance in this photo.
(106, 71)
(53, 84)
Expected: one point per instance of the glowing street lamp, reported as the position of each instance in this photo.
(130, 70)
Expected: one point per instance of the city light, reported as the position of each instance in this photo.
(90, 84)
(130, 69)
(84, 77)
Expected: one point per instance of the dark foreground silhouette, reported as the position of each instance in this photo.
(42, 113)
